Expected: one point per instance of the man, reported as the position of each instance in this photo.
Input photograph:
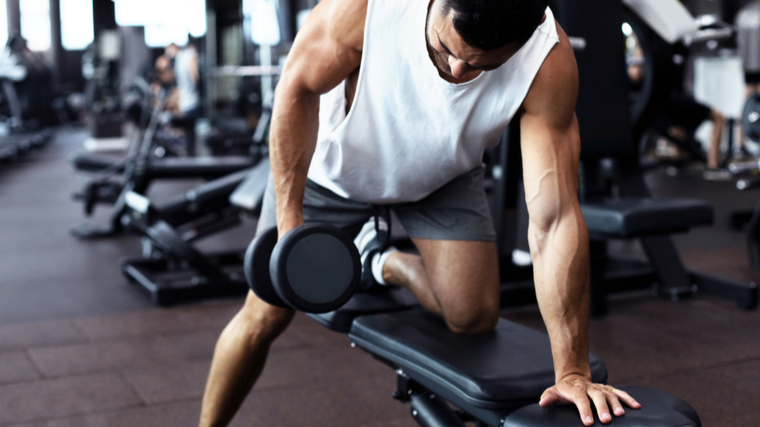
(178, 68)
(390, 104)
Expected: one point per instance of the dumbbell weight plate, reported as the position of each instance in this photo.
(315, 268)
(256, 267)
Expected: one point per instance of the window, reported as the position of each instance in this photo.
(166, 21)
(76, 24)
(35, 23)
(3, 24)
(265, 26)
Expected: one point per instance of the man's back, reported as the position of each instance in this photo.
(409, 130)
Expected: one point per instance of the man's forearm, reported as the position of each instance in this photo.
(560, 265)
(295, 123)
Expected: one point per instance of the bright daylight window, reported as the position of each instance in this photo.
(265, 26)
(76, 24)
(35, 23)
(3, 24)
(166, 21)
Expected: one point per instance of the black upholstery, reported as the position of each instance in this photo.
(95, 162)
(201, 167)
(630, 217)
(513, 363)
(250, 193)
(658, 409)
(170, 167)
(209, 192)
(385, 299)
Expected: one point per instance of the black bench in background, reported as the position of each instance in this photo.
(614, 198)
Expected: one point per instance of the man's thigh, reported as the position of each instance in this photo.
(458, 210)
(464, 277)
(453, 231)
(319, 205)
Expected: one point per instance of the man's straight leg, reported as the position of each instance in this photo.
(239, 358)
(242, 348)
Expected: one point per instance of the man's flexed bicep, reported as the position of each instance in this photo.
(326, 50)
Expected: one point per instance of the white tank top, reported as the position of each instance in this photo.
(409, 132)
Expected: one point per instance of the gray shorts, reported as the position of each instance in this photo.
(457, 211)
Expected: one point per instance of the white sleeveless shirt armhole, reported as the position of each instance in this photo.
(409, 132)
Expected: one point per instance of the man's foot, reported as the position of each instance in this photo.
(371, 242)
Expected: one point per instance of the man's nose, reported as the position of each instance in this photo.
(458, 67)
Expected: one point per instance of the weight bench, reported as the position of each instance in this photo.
(651, 220)
(112, 191)
(169, 167)
(493, 379)
(15, 144)
(171, 268)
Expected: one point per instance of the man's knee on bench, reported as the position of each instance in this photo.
(472, 319)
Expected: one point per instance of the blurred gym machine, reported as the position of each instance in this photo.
(610, 129)
(136, 172)
(246, 44)
(659, 54)
(749, 221)
(100, 68)
(171, 268)
(24, 100)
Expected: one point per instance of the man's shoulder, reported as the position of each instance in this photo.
(346, 21)
(555, 88)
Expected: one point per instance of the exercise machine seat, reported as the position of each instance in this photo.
(658, 409)
(209, 192)
(169, 167)
(250, 194)
(385, 299)
(632, 217)
(201, 167)
(487, 371)
(96, 162)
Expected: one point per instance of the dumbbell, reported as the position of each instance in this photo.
(314, 268)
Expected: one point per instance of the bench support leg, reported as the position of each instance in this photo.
(668, 267)
(431, 411)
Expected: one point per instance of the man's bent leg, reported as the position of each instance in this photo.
(456, 279)
(239, 358)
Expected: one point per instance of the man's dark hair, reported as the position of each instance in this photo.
(491, 24)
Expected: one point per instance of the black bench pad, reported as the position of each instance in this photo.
(169, 167)
(658, 409)
(384, 299)
(212, 191)
(201, 167)
(513, 363)
(631, 217)
(250, 194)
(96, 162)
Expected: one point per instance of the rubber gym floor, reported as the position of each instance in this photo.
(81, 347)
